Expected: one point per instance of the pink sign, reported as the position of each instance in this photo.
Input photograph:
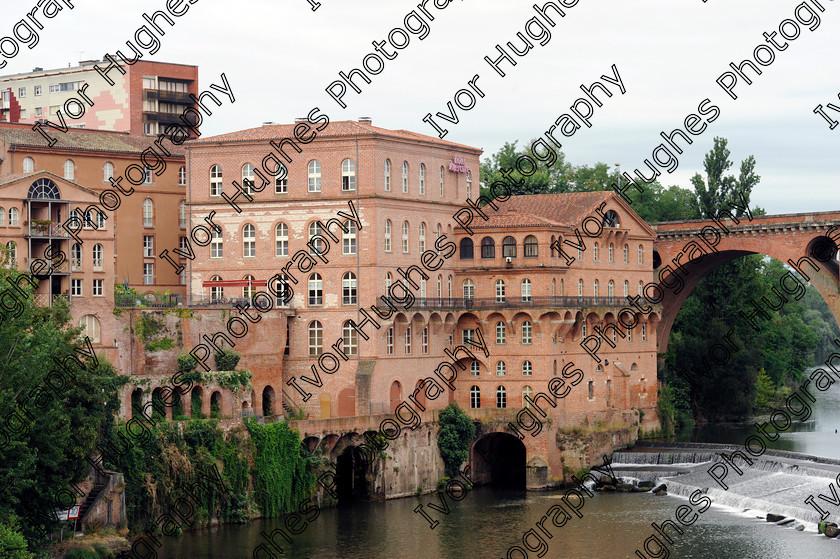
(459, 165)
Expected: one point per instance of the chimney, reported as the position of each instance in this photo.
(366, 121)
(301, 119)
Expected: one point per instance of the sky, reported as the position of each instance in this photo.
(280, 56)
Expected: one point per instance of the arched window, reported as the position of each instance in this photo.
(182, 214)
(316, 338)
(626, 254)
(387, 175)
(475, 397)
(249, 241)
(526, 332)
(509, 247)
(469, 185)
(440, 287)
(216, 247)
(69, 170)
(527, 396)
(215, 180)
(282, 292)
(29, 165)
(248, 178)
(488, 247)
(98, 257)
(500, 332)
(182, 176)
(595, 253)
(314, 176)
(349, 339)
(611, 253)
(216, 292)
(595, 289)
(148, 213)
(562, 287)
(388, 282)
(405, 237)
(13, 217)
(281, 239)
(348, 175)
(466, 249)
(316, 242)
(469, 289)
(626, 288)
(90, 327)
(387, 235)
(408, 340)
(641, 287)
(422, 238)
(405, 176)
(580, 288)
(531, 247)
(611, 220)
(475, 369)
(599, 369)
(11, 247)
(441, 182)
(501, 368)
(2, 216)
(348, 288)
(424, 339)
(76, 258)
(611, 289)
(348, 237)
(641, 255)
(316, 289)
(44, 189)
(249, 289)
(501, 397)
(500, 291)
(525, 288)
(527, 369)
(422, 179)
(634, 367)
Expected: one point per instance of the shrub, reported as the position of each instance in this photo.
(186, 363)
(227, 360)
(12, 543)
(82, 553)
(456, 432)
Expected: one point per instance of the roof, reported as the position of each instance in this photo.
(343, 128)
(76, 139)
(543, 210)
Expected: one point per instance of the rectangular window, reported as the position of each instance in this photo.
(390, 339)
(39, 111)
(408, 340)
(149, 82)
(644, 332)
(21, 92)
(281, 186)
(149, 246)
(148, 173)
(467, 335)
(148, 273)
(37, 90)
(97, 287)
(54, 109)
(591, 390)
(23, 113)
(183, 276)
(76, 288)
(425, 340)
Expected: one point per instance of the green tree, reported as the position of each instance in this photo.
(719, 194)
(765, 390)
(456, 432)
(545, 179)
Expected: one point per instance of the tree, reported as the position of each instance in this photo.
(719, 194)
(765, 390)
(456, 432)
(545, 179)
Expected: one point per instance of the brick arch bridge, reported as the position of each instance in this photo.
(687, 251)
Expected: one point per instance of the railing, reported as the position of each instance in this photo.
(176, 96)
(460, 303)
(51, 230)
(46, 300)
(176, 300)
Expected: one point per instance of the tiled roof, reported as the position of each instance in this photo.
(334, 129)
(85, 140)
(541, 210)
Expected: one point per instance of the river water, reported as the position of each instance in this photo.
(488, 521)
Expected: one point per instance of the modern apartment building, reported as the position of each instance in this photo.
(143, 101)
(532, 306)
(152, 218)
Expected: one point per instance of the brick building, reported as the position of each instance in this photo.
(151, 219)
(149, 96)
(532, 306)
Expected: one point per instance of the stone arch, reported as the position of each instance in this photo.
(351, 468)
(216, 404)
(435, 323)
(396, 395)
(499, 459)
(136, 402)
(197, 402)
(159, 408)
(310, 444)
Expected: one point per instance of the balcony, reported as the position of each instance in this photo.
(46, 230)
(175, 97)
(46, 300)
(461, 304)
(131, 300)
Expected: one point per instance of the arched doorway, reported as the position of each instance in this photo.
(499, 459)
(196, 403)
(347, 402)
(268, 401)
(216, 405)
(351, 483)
(136, 402)
(396, 395)
(158, 407)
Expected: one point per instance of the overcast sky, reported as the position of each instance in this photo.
(279, 56)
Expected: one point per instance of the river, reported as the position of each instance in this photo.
(488, 521)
